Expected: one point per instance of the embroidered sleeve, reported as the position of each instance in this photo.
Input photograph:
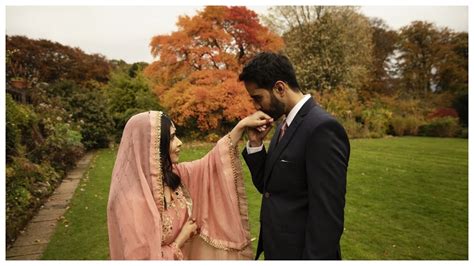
(171, 252)
(177, 251)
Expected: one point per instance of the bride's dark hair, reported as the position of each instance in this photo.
(170, 179)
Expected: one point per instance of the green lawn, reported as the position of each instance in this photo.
(82, 234)
(406, 198)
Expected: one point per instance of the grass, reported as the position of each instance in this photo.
(82, 234)
(406, 199)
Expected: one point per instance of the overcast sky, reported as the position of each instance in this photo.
(124, 32)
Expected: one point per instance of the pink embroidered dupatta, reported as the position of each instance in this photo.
(215, 184)
(216, 198)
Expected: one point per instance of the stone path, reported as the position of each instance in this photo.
(31, 244)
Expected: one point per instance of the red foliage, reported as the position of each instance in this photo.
(208, 98)
(443, 112)
(47, 61)
(195, 73)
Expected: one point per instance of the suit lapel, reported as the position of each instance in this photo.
(276, 149)
(274, 139)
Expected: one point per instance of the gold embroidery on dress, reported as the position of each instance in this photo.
(167, 226)
(157, 141)
(179, 201)
(155, 162)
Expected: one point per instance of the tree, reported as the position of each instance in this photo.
(452, 66)
(46, 61)
(384, 47)
(196, 67)
(432, 59)
(128, 93)
(208, 100)
(330, 47)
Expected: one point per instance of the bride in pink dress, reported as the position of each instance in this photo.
(161, 209)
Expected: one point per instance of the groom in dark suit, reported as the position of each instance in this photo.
(302, 177)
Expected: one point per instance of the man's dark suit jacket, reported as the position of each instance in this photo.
(303, 182)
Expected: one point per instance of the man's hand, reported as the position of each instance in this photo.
(258, 125)
(257, 119)
(257, 135)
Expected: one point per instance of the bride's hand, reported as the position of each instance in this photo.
(258, 120)
(258, 125)
(189, 229)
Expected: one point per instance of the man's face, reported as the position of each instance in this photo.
(265, 101)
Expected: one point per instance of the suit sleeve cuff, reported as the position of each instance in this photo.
(251, 150)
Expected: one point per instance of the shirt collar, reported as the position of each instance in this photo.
(291, 115)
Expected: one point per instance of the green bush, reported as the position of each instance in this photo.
(12, 131)
(404, 126)
(441, 127)
(342, 103)
(62, 148)
(376, 121)
(397, 126)
(39, 151)
(27, 184)
(22, 129)
(84, 108)
(412, 125)
(354, 129)
(91, 114)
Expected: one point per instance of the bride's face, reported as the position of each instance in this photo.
(175, 145)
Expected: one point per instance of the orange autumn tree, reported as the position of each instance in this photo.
(196, 71)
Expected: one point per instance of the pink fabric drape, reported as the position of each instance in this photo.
(212, 185)
(215, 184)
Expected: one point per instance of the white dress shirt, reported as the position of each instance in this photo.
(288, 120)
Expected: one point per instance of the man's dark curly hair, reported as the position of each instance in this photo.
(267, 68)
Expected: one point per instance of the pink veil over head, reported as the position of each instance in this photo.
(136, 198)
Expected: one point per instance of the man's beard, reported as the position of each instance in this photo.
(277, 108)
